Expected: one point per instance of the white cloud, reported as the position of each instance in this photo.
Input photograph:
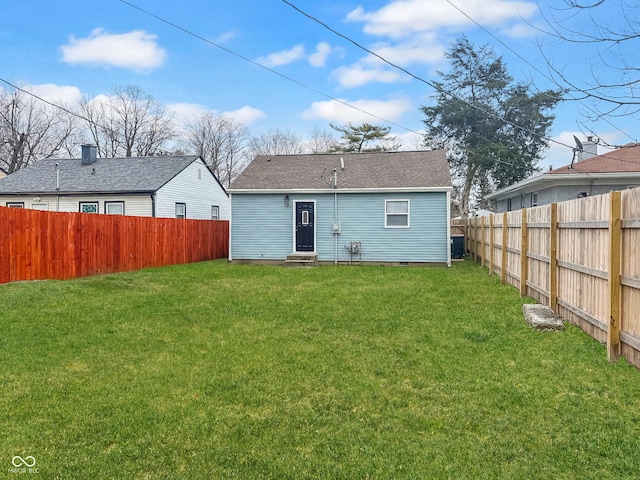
(360, 73)
(135, 50)
(283, 57)
(402, 18)
(226, 36)
(246, 115)
(335, 111)
(319, 58)
(185, 112)
(58, 94)
(421, 48)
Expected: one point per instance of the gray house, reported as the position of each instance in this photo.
(339, 208)
(168, 186)
(590, 175)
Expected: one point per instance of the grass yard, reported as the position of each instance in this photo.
(212, 370)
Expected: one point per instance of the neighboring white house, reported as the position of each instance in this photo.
(2, 173)
(168, 186)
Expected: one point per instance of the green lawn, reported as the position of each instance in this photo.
(212, 370)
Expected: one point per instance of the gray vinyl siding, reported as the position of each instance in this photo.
(560, 193)
(262, 227)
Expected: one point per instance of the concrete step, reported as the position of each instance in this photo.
(302, 260)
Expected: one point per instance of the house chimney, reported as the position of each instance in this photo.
(589, 149)
(89, 154)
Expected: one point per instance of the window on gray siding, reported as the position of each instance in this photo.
(181, 210)
(534, 199)
(509, 207)
(215, 212)
(15, 204)
(396, 214)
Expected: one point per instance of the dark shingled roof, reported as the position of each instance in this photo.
(379, 170)
(106, 175)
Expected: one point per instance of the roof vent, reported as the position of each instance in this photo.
(89, 154)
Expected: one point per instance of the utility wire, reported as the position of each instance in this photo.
(420, 79)
(257, 64)
(505, 45)
(60, 107)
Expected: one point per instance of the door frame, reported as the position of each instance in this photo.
(315, 222)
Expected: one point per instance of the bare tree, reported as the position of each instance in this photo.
(321, 141)
(128, 122)
(30, 130)
(610, 77)
(276, 142)
(221, 142)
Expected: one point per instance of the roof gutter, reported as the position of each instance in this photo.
(342, 190)
(564, 178)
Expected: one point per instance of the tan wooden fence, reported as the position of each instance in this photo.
(579, 257)
(38, 245)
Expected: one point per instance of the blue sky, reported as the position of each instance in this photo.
(66, 50)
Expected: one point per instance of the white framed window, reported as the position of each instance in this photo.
(114, 208)
(215, 212)
(89, 207)
(15, 204)
(181, 210)
(396, 214)
(534, 199)
(39, 206)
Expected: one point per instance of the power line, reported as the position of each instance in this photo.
(505, 45)
(60, 107)
(257, 64)
(420, 79)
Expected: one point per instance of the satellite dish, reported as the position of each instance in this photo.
(576, 149)
(579, 146)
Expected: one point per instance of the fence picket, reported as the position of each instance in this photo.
(577, 257)
(38, 245)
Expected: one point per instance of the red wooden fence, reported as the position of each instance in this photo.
(38, 245)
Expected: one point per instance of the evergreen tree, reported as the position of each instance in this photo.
(494, 130)
(358, 138)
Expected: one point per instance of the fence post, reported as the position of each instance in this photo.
(482, 245)
(503, 272)
(613, 330)
(524, 248)
(553, 259)
(472, 240)
(491, 248)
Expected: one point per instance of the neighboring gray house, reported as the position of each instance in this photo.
(363, 207)
(597, 174)
(167, 186)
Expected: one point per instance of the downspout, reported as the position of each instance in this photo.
(335, 235)
(57, 187)
(230, 255)
(153, 204)
(448, 242)
(335, 214)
